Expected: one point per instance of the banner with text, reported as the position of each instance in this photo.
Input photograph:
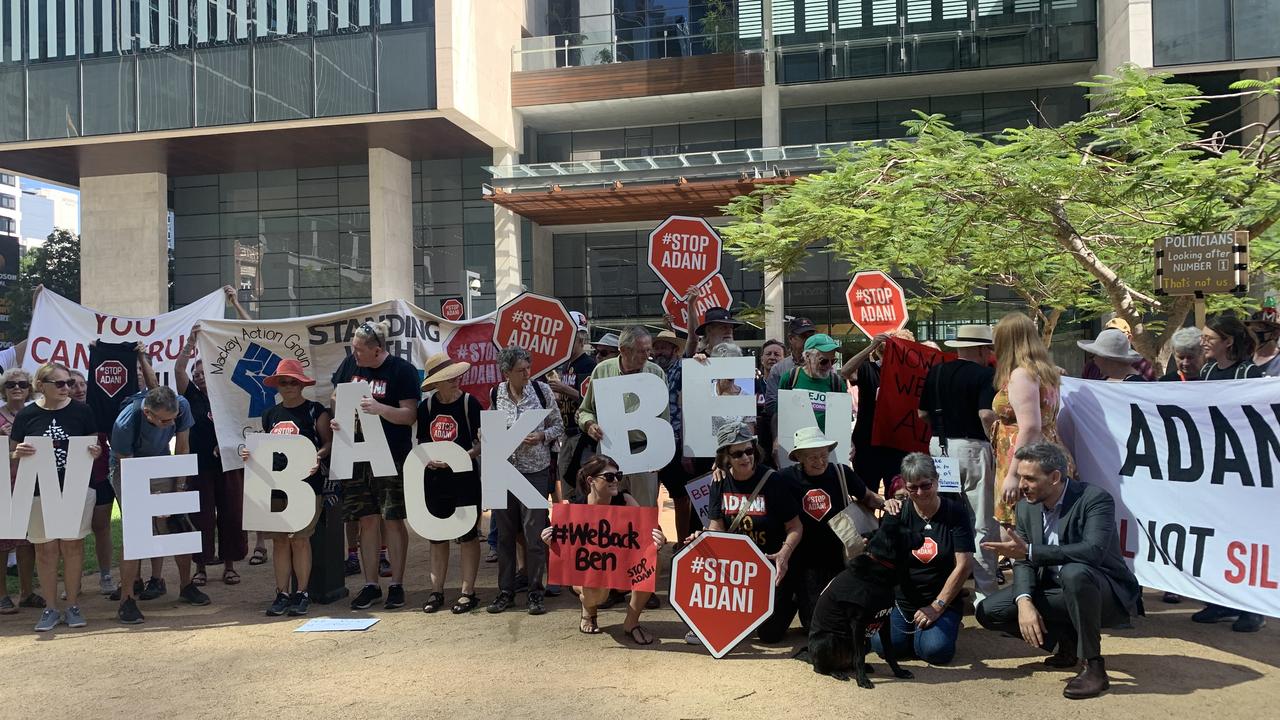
(1193, 468)
(896, 423)
(603, 546)
(239, 354)
(61, 331)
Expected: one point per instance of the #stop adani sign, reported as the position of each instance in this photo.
(714, 294)
(684, 252)
(877, 304)
(722, 585)
(540, 325)
(452, 309)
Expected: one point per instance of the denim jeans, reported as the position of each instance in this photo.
(935, 645)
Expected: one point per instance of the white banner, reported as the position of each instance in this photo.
(61, 331)
(239, 354)
(1194, 468)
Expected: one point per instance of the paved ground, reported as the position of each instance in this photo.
(229, 661)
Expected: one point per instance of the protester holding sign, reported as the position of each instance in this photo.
(104, 497)
(925, 620)
(378, 502)
(600, 483)
(875, 465)
(816, 376)
(295, 415)
(516, 395)
(732, 387)
(1025, 404)
(823, 490)
(17, 393)
(749, 499)
(56, 416)
(448, 414)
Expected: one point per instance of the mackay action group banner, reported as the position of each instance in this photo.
(61, 331)
(1194, 468)
(239, 354)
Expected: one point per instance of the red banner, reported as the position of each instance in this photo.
(901, 383)
(603, 546)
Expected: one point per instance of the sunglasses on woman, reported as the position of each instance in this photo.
(60, 383)
(746, 452)
(20, 384)
(611, 477)
(919, 488)
(287, 382)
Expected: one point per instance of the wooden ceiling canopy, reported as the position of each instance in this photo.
(628, 203)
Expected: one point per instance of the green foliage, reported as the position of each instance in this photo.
(56, 265)
(1063, 216)
(721, 24)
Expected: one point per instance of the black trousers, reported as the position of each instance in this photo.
(1075, 608)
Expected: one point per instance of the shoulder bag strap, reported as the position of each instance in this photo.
(844, 486)
(742, 511)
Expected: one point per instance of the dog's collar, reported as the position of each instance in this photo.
(882, 562)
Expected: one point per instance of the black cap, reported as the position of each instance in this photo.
(801, 325)
(716, 315)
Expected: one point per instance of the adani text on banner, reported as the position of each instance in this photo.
(239, 355)
(1193, 468)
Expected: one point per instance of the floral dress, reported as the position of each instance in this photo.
(1005, 439)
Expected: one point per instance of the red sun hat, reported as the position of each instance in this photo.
(290, 369)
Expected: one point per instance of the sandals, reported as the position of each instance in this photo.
(588, 625)
(466, 603)
(639, 635)
(435, 601)
(230, 577)
(259, 556)
(200, 578)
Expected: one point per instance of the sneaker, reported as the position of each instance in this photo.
(384, 565)
(352, 565)
(522, 583)
(193, 595)
(74, 618)
(32, 601)
(395, 597)
(492, 557)
(154, 589)
(364, 599)
(691, 638)
(299, 604)
(1214, 613)
(535, 604)
(49, 619)
(6, 606)
(107, 584)
(129, 614)
(502, 602)
(1249, 622)
(280, 606)
(137, 590)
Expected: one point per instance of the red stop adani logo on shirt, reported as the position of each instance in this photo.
(111, 376)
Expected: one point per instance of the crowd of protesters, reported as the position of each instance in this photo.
(992, 409)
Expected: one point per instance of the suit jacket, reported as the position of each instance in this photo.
(1086, 534)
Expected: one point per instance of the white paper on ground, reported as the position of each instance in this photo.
(336, 624)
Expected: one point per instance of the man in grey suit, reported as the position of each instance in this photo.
(1069, 579)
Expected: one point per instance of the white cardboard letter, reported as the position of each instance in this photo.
(616, 422)
(139, 506)
(63, 507)
(700, 402)
(419, 517)
(498, 476)
(795, 411)
(346, 451)
(260, 480)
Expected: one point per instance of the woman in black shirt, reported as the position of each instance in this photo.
(56, 416)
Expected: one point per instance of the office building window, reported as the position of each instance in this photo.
(8, 226)
(8, 202)
(452, 231)
(1204, 31)
(7, 179)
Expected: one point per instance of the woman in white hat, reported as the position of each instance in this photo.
(447, 414)
(749, 499)
(823, 489)
(1113, 355)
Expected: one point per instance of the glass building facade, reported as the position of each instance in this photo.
(1206, 31)
(70, 68)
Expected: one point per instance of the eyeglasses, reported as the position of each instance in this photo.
(823, 362)
(919, 488)
(611, 477)
(745, 452)
(20, 384)
(287, 382)
(59, 383)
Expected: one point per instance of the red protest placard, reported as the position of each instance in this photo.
(603, 546)
(877, 304)
(684, 252)
(722, 586)
(540, 325)
(714, 294)
(473, 343)
(901, 382)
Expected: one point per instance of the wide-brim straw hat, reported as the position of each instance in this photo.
(971, 336)
(446, 371)
(1112, 344)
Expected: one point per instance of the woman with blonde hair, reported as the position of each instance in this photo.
(1026, 402)
(16, 394)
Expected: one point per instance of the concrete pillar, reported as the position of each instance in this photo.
(771, 136)
(1262, 110)
(124, 258)
(543, 262)
(506, 239)
(1125, 34)
(390, 226)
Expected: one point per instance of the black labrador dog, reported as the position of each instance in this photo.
(856, 604)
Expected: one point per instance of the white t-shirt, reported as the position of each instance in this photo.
(8, 358)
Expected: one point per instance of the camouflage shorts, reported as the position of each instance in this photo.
(365, 495)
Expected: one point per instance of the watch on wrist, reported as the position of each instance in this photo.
(940, 604)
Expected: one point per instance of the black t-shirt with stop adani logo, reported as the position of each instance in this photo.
(299, 420)
(459, 422)
(767, 517)
(392, 381)
(948, 532)
(819, 499)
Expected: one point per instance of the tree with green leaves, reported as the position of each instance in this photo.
(1064, 216)
(56, 265)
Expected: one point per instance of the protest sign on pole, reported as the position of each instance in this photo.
(684, 252)
(877, 303)
(540, 325)
(896, 423)
(714, 294)
(1193, 469)
(603, 546)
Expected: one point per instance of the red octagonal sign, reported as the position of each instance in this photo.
(684, 252)
(452, 309)
(722, 585)
(540, 325)
(714, 294)
(877, 304)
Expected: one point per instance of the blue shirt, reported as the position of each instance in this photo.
(155, 440)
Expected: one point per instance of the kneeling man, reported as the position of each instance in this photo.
(1069, 579)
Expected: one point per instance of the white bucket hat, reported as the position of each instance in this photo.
(1112, 344)
(971, 336)
(809, 438)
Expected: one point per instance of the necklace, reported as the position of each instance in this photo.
(928, 520)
